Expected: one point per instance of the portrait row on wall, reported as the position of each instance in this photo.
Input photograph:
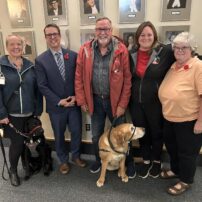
(166, 35)
(129, 11)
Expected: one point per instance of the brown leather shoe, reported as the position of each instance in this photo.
(64, 168)
(79, 162)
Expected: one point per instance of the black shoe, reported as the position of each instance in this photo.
(144, 170)
(155, 170)
(95, 167)
(15, 180)
(131, 172)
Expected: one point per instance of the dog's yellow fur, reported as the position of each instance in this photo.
(111, 160)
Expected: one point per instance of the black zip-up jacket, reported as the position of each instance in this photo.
(16, 98)
(145, 89)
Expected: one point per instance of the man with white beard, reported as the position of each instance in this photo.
(102, 84)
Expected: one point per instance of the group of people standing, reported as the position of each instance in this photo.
(160, 84)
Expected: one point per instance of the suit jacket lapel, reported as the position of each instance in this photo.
(66, 61)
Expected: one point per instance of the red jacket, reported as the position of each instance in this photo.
(119, 76)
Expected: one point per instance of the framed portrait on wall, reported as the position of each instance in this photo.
(87, 35)
(168, 33)
(131, 11)
(128, 36)
(90, 11)
(55, 11)
(29, 50)
(19, 13)
(2, 52)
(175, 10)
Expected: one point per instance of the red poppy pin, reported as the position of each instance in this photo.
(117, 52)
(66, 56)
(186, 67)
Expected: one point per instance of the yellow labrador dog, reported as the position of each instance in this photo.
(113, 147)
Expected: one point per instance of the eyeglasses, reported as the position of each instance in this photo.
(50, 35)
(183, 49)
(102, 29)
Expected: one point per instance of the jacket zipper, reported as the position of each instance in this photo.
(20, 89)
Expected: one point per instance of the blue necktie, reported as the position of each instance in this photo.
(60, 64)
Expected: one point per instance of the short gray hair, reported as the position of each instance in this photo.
(187, 38)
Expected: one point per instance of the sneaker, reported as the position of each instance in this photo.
(155, 170)
(131, 172)
(144, 170)
(95, 167)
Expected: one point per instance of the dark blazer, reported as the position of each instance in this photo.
(51, 12)
(50, 81)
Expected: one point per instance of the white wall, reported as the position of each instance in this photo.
(153, 13)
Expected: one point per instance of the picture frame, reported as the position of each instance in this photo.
(29, 50)
(65, 42)
(175, 10)
(87, 35)
(87, 14)
(19, 13)
(2, 52)
(131, 11)
(168, 33)
(55, 11)
(128, 36)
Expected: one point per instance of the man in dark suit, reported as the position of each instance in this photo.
(55, 8)
(55, 69)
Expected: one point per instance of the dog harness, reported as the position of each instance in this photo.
(112, 146)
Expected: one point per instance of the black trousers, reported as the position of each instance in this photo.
(17, 141)
(150, 117)
(183, 147)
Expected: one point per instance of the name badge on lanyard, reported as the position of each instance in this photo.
(2, 79)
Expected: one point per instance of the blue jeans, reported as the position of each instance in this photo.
(102, 109)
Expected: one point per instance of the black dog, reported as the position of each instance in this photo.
(37, 153)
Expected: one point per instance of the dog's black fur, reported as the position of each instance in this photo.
(35, 144)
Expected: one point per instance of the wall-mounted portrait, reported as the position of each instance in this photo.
(19, 13)
(90, 11)
(87, 35)
(2, 52)
(29, 50)
(131, 11)
(128, 36)
(55, 12)
(168, 33)
(176, 10)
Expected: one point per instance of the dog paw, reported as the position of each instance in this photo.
(124, 179)
(100, 183)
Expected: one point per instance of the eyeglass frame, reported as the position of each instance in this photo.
(51, 35)
(106, 30)
(181, 49)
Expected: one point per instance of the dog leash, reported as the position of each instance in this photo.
(27, 135)
(4, 156)
(109, 139)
